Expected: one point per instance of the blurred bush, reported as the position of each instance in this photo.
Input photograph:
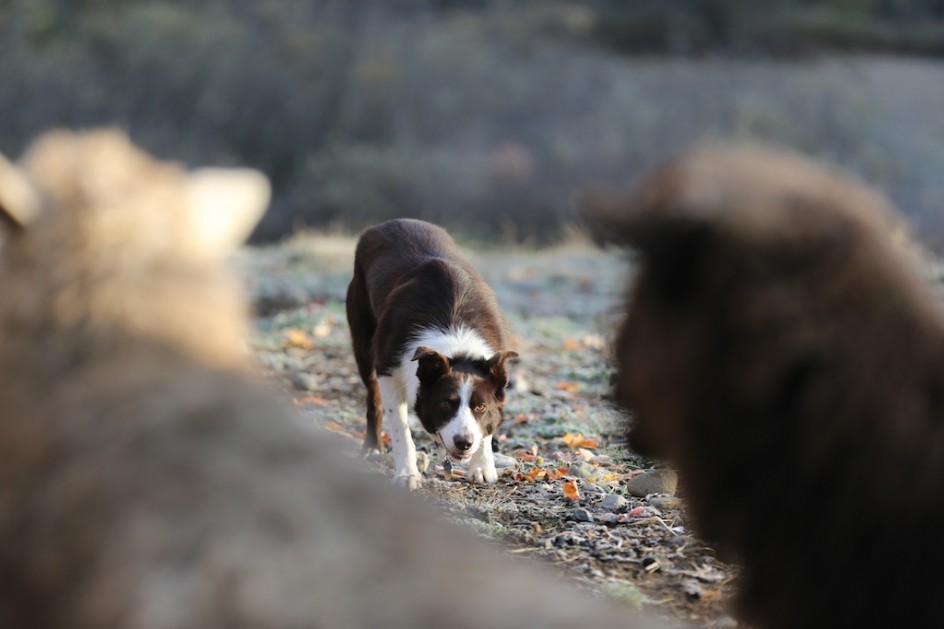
(772, 27)
(488, 116)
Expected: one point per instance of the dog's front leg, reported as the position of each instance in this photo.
(482, 463)
(397, 422)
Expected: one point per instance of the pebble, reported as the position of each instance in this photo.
(582, 515)
(375, 456)
(269, 300)
(587, 471)
(653, 482)
(613, 502)
(422, 462)
(665, 502)
(504, 461)
(304, 381)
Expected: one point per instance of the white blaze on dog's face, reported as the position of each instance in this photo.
(460, 398)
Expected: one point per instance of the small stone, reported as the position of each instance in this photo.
(665, 502)
(693, 589)
(651, 564)
(504, 461)
(587, 471)
(520, 381)
(653, 482)
(613, 502)
(304, 381)
(582, 515)
(422, 462)
(375, 456)
(269, 300)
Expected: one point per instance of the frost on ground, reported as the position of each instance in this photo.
(570, 493)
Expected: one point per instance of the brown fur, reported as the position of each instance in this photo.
(785, 356)
(149, 481)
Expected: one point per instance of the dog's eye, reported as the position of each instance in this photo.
(479, 408)
(444, 404)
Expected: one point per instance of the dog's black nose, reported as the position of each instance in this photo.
(463, 442)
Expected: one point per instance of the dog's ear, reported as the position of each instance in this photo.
(432, 365)
(19, 202)
(497, 374)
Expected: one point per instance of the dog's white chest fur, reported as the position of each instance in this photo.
(399, 391)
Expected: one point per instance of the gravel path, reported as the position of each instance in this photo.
(570, 493)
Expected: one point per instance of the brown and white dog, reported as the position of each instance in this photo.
(414, 298)
(782, 352)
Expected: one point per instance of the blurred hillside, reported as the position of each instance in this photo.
(488, 116)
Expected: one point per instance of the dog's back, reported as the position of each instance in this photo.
(782, 352)
(416, 267)
(149, 481)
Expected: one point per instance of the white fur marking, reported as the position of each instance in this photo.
(450, 343)
(396, 421)
(482, 465)
(463, 423)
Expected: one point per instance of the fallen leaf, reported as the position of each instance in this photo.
(711, 595)
(566, 385)
(314, 400)
(586, 455)
(298, 338)
(337, 428)
(578, 441)
(570, 490)
(525, 456)
(323, 329)
(571, 344)
(610, 478)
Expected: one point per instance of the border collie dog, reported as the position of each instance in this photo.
(428, 334)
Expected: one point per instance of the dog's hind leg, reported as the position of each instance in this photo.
(360, 320)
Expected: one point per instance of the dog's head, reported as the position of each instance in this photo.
(460, 398)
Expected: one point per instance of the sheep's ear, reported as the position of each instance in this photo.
(669, 233)
(225, 205)
(19, 202)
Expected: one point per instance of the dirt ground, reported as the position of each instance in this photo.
(566, 492)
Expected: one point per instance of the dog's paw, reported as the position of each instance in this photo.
(485, 474)
(407, 480)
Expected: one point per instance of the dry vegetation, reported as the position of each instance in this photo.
(486, 116)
